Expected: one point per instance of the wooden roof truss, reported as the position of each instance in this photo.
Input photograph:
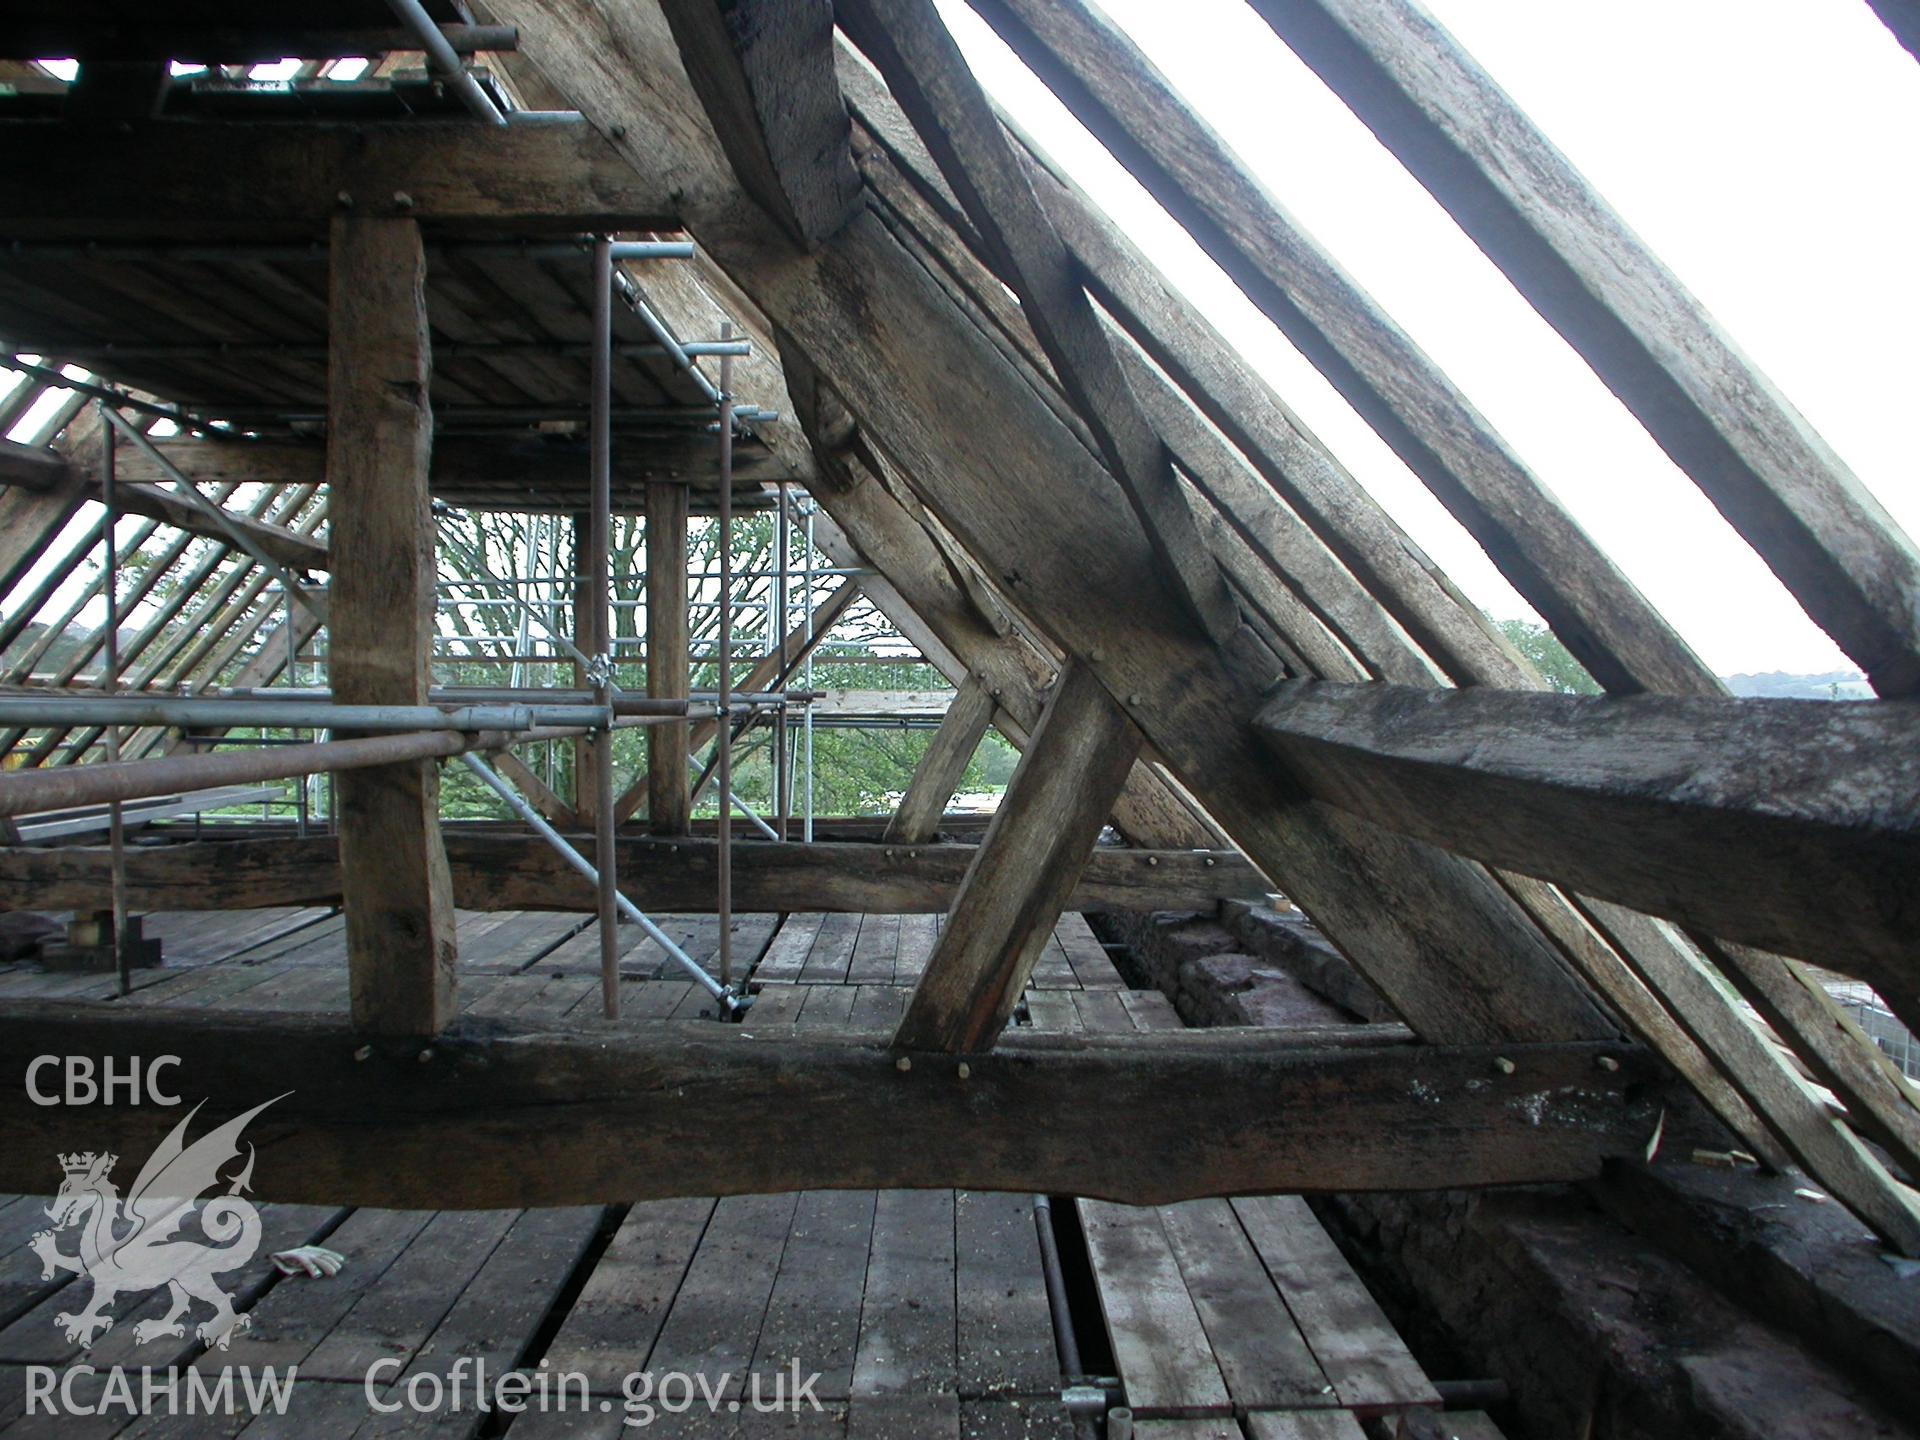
(1117, 541)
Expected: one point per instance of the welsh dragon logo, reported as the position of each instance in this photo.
(131, 1245)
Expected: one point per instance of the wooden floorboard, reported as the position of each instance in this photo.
(813, 1314)
(907, 1329)
(924, 1313)
(1159, 1343)
(611, 1329)
(1364, 1359)
(1004, 1325)
(714, 1326)
(1260, 1351)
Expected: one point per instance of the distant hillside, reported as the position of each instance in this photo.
(1778, 685)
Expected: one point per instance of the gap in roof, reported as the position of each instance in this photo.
(1768, 270)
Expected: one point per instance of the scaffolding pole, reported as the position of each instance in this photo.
(724, 730)
(599, 582)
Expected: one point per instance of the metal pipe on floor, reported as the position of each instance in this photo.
(444, 60)
(1056, 1281)
(63, 787)
(695, 971)
(599, 585)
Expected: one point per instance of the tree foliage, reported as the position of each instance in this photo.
(1552, 659)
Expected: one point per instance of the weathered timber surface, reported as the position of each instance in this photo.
(1025, 868)
(220, 179)
(923, 66)
(393, 868)
(506, 872)
(765, 74)
(276, 541)
(1641, 655)
(603, 1115)
(32, 467)
(1391, 383)
(1754, 456)
(1789, 824)
(917, 818)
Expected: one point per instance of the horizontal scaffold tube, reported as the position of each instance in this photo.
(29, 792)
(67, 710)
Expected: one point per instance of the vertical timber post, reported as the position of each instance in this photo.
(393, 866)
(669, 807)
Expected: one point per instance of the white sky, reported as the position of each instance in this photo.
(1764, 148)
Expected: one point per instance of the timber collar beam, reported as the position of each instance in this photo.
(586, 1117)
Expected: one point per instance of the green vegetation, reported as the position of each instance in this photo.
(855, 772)
(1552, 659)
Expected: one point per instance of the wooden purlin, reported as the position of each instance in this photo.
(1790, 824)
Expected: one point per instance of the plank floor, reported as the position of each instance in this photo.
(922, 1313)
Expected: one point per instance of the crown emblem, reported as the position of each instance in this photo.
(87, 1163)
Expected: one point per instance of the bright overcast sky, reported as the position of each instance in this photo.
(1762, 147)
